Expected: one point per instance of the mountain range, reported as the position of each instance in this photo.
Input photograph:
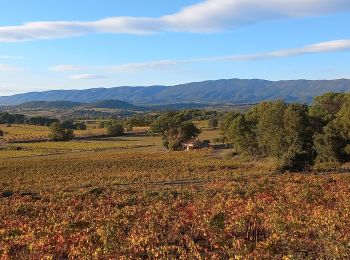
(226, 91)
(104, 104)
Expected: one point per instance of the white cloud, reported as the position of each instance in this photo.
(152, 65)
(207, 16)
(323, 47)
(121, 68)
(216, 15)
(330, 46)
(8, 68)
(87, 76)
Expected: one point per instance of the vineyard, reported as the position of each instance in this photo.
(24, 133)
(148, 203)
(20, 150)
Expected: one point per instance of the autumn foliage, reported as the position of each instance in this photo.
(165, 205)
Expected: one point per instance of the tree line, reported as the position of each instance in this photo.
(7, 118)
(294, 134)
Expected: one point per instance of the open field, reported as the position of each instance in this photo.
(18, 133)
(113, 143)
(24, 132)
(27, 133)
(107, 199)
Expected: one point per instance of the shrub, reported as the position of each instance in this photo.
(114, 128)
(79, 126)
(68, 124)
(59, 133)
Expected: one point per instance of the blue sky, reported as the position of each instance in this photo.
(61, 44)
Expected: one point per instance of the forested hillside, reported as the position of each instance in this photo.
(233, 91)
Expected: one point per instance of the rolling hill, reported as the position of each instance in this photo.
(114, 104)
(49, 105)
(230, 91)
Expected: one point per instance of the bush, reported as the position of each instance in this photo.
(2, 133)
(79, 126)
(59, 133)
(114, 128)
(68, 124)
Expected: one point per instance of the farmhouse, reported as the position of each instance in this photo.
(195, 144)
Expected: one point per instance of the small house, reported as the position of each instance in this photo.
(195, 144)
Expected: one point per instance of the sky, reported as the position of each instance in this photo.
(78, 44)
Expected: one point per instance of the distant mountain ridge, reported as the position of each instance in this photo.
(113, 104)
(104, 104)
(49, 105)
(230, 91)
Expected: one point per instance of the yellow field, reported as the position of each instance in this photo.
(24, 132)
(113, 143)
(15, 133)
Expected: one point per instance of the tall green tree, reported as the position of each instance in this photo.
(175, 129)
(242, 134)
(333, 143)
(330, 144)
(270, 128)
(343, 117)
(274, 129)
(327, 106)
(225, 123)
(298, 138)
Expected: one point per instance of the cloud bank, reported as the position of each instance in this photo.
(154, 65)
(87, 76)
(323, 47)
(207, 16)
